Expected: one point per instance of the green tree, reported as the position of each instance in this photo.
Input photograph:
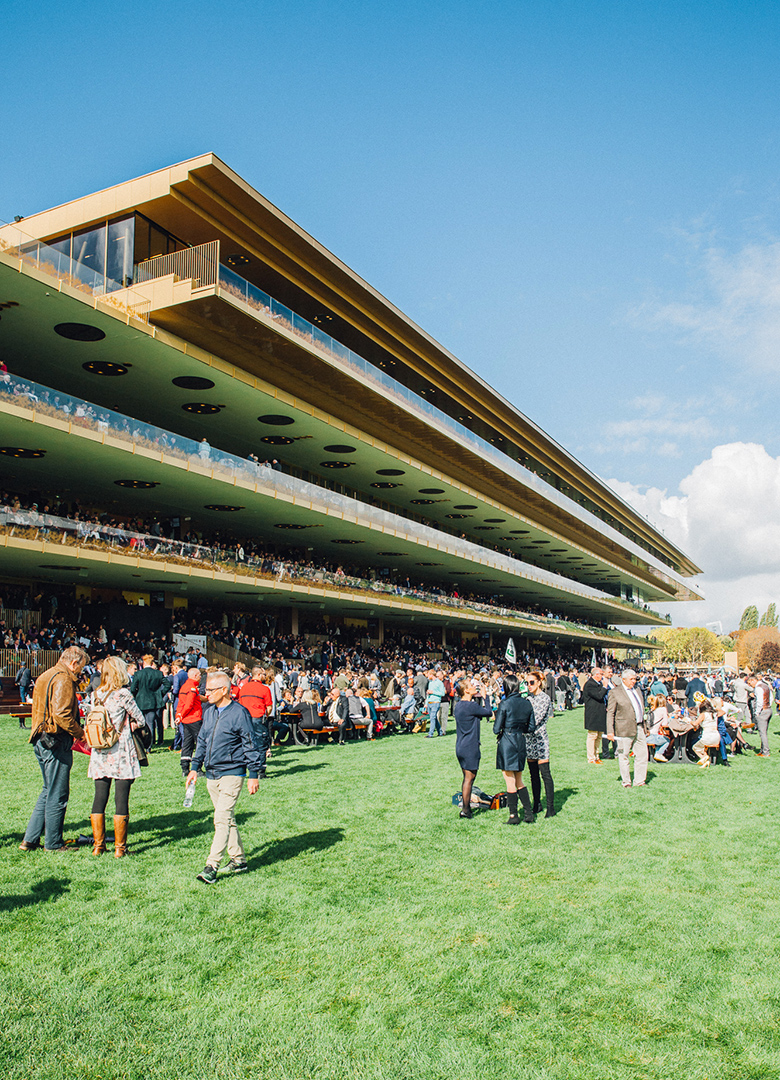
(749, 620)
(691, 645)
(769, 618)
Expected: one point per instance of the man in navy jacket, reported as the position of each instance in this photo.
(226, 750)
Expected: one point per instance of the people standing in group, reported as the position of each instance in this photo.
(55, 724)
(146, 686)
(227, 751)
(594, 696)
(626, 724)
(189, 716)
(515, 724)
(762, 690)
(433, 700)
(118, 763)
(469, 711)
(255, 695)
(538, 745)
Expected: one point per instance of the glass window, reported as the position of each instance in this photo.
(89, 257)
(119, 257)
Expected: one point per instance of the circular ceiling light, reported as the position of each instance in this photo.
(277, 440)
(239, 259)
(202, 408)
(392, 554)
(431, 491)
(484, 528)
(139, 484)
(21, 452)
(76, 331)
(422, 502)
(457, 517)
(498, 521)
(276, 420)
(291, 525)
(521, 532)
(162, 581)
(336, 464)
(466, 507)
(338, 448)
(347, 541)
(428, 564)
(192, 382)
(223, 508)
(385, 484)
(56, 566)
(390, 472)
(105, 367)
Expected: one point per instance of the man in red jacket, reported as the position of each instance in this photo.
(189, 713)
(256, 697)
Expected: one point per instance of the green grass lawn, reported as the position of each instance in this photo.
(377, 935)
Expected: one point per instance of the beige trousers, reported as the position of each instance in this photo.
(593, 743)
(639, 744)
(224, 794)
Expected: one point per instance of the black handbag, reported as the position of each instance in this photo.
(49, 740)
(140, 749)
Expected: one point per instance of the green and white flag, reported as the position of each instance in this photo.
(511, 655)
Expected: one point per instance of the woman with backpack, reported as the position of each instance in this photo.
(118, 762)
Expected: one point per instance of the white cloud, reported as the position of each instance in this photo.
(737, 314)
(727, 518)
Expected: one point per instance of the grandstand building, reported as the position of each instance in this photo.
(162, 332)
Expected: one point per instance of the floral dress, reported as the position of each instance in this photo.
(537, 743)
(120, 761)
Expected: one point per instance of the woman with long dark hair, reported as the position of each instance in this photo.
(538, 745)
(513, 725)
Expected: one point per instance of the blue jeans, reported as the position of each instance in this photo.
(433, 718)
(48, 815)
(262, 738)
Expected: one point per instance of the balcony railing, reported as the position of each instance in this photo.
(197, 264)
(92, 534)
(229, 467)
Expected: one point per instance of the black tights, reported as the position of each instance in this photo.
(535, 768)
(121, 796)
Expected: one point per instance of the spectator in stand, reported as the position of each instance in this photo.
(55, 724)
(189, 716)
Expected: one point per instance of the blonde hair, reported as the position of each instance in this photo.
(113, 674)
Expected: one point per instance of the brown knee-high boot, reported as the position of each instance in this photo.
(120, 836)
(98, 833)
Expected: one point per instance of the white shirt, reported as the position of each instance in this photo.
(636, 700)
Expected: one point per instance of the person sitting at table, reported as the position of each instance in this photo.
(730, 717)
(659, 730)
(308, 711)
(335, 710)
(367, 697)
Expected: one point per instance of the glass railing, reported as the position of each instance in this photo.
(91, 533)
(224, 466)
(78, 275)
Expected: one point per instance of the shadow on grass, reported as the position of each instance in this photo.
(562, 795)
(292, 846)
(167, 828)
(40, 893)
(281, 770)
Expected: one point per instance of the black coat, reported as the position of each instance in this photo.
(595, 697)
(514, 720)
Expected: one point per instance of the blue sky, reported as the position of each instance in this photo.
(579, 200)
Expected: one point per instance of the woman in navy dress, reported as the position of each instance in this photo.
(514, 720)
(468, 714)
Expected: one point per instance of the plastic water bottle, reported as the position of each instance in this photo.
(189, 795)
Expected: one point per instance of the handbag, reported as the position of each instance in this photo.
(49, 740)
(140, 749)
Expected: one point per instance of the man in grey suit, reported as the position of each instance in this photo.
(625, 724)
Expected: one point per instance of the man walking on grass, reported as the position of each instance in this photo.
(227, 750)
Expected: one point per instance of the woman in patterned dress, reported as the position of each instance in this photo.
(120, 761)
(538, 745)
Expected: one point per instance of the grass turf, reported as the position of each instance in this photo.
(379, 936)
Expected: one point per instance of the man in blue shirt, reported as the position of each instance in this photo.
(226, 749)
(434, 699)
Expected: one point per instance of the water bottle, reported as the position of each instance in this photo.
(189, 794)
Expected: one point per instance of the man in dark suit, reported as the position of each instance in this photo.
(626, 724)
(594, 696)
(146, 688)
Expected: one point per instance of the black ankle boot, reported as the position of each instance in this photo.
(549, 788)
(525, 799)
(511, 801)
(536, 785)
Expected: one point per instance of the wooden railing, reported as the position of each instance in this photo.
(37, 660)
(23, 617)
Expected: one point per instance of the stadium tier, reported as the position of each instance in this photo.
(241, 420)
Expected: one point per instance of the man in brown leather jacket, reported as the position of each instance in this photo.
(55, 721)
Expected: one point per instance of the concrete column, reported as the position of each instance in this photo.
(294, 621)
(444, 637)
(381, 631)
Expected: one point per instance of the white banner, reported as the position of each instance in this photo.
(183, 642)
